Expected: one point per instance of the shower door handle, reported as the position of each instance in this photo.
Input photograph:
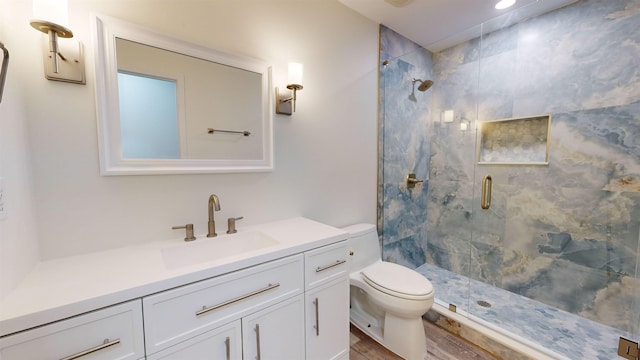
(487, 184)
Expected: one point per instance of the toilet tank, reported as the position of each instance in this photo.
(364, 244)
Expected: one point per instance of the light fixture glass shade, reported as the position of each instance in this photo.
(503, 4)
(295, 73)
(55, 11)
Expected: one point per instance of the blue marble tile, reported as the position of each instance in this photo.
(406, 251)
(394, 45)
(564, 333)
(583, 56)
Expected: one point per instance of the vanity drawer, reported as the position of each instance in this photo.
(111, 333)
(182, 313)
(326, 264)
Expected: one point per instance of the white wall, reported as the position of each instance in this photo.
(325, 154)
(18, 240)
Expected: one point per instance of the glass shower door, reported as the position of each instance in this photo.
(555, 255)
(425, 225)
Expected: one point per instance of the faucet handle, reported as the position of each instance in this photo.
(231, 225)
(189, 227)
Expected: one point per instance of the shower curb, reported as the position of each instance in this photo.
(490, 340)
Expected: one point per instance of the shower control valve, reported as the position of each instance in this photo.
(412, 181)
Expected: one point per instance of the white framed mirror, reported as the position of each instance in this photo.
(168, 106)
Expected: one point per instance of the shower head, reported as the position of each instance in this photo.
(424, 85)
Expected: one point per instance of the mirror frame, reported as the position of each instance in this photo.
(107, 29)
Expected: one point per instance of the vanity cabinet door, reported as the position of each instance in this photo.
(327, 320)
(112, 333)
(223, 343)
(275, 333)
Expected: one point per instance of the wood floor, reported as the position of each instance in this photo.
(441, 345)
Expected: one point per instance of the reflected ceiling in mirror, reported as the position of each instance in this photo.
(167, 106)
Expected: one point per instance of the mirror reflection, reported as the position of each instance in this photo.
(170, 106)
(157, 122)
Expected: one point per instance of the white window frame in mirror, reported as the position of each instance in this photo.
(106, 30)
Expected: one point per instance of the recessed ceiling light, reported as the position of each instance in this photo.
(398, 3)
(503, 4)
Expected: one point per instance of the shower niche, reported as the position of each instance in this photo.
(515, 141)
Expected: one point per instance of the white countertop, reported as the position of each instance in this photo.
(61, 288)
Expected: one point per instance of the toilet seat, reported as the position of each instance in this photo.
(397, 280)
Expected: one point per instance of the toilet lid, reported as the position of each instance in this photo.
(397, 280)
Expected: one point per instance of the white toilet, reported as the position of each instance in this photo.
(387, 300)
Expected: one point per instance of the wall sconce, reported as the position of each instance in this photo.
(286, 101)
(3, 69)
(62, 61)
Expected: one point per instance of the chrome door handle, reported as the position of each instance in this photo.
(485, 200)
(258, 341)
(227, 345)
(317, 326)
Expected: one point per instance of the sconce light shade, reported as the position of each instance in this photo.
(71, 68)
(3, 68)
(55, 11)
(295, 73)
(286, 101)
(503, 4)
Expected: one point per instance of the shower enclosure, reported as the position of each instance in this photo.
(527, 144)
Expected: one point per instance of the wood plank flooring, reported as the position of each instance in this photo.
(441, 345)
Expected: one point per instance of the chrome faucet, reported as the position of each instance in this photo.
(214, 204)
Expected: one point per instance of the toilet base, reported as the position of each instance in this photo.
(402, 336)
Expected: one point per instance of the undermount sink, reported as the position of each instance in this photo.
(210, 249)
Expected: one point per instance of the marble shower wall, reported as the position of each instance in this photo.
(404, 148)
(566, 234)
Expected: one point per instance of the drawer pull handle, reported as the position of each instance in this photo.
(104, 345)
(317, 304)
(239, 298)
(327, 267)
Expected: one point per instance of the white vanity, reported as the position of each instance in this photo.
(284, 296)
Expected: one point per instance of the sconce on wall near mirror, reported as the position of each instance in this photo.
(3, 68)
(63, 61)
(286, 101)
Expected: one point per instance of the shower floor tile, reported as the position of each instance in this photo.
(566, 334)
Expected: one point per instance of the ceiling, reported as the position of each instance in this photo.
(439, 24)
